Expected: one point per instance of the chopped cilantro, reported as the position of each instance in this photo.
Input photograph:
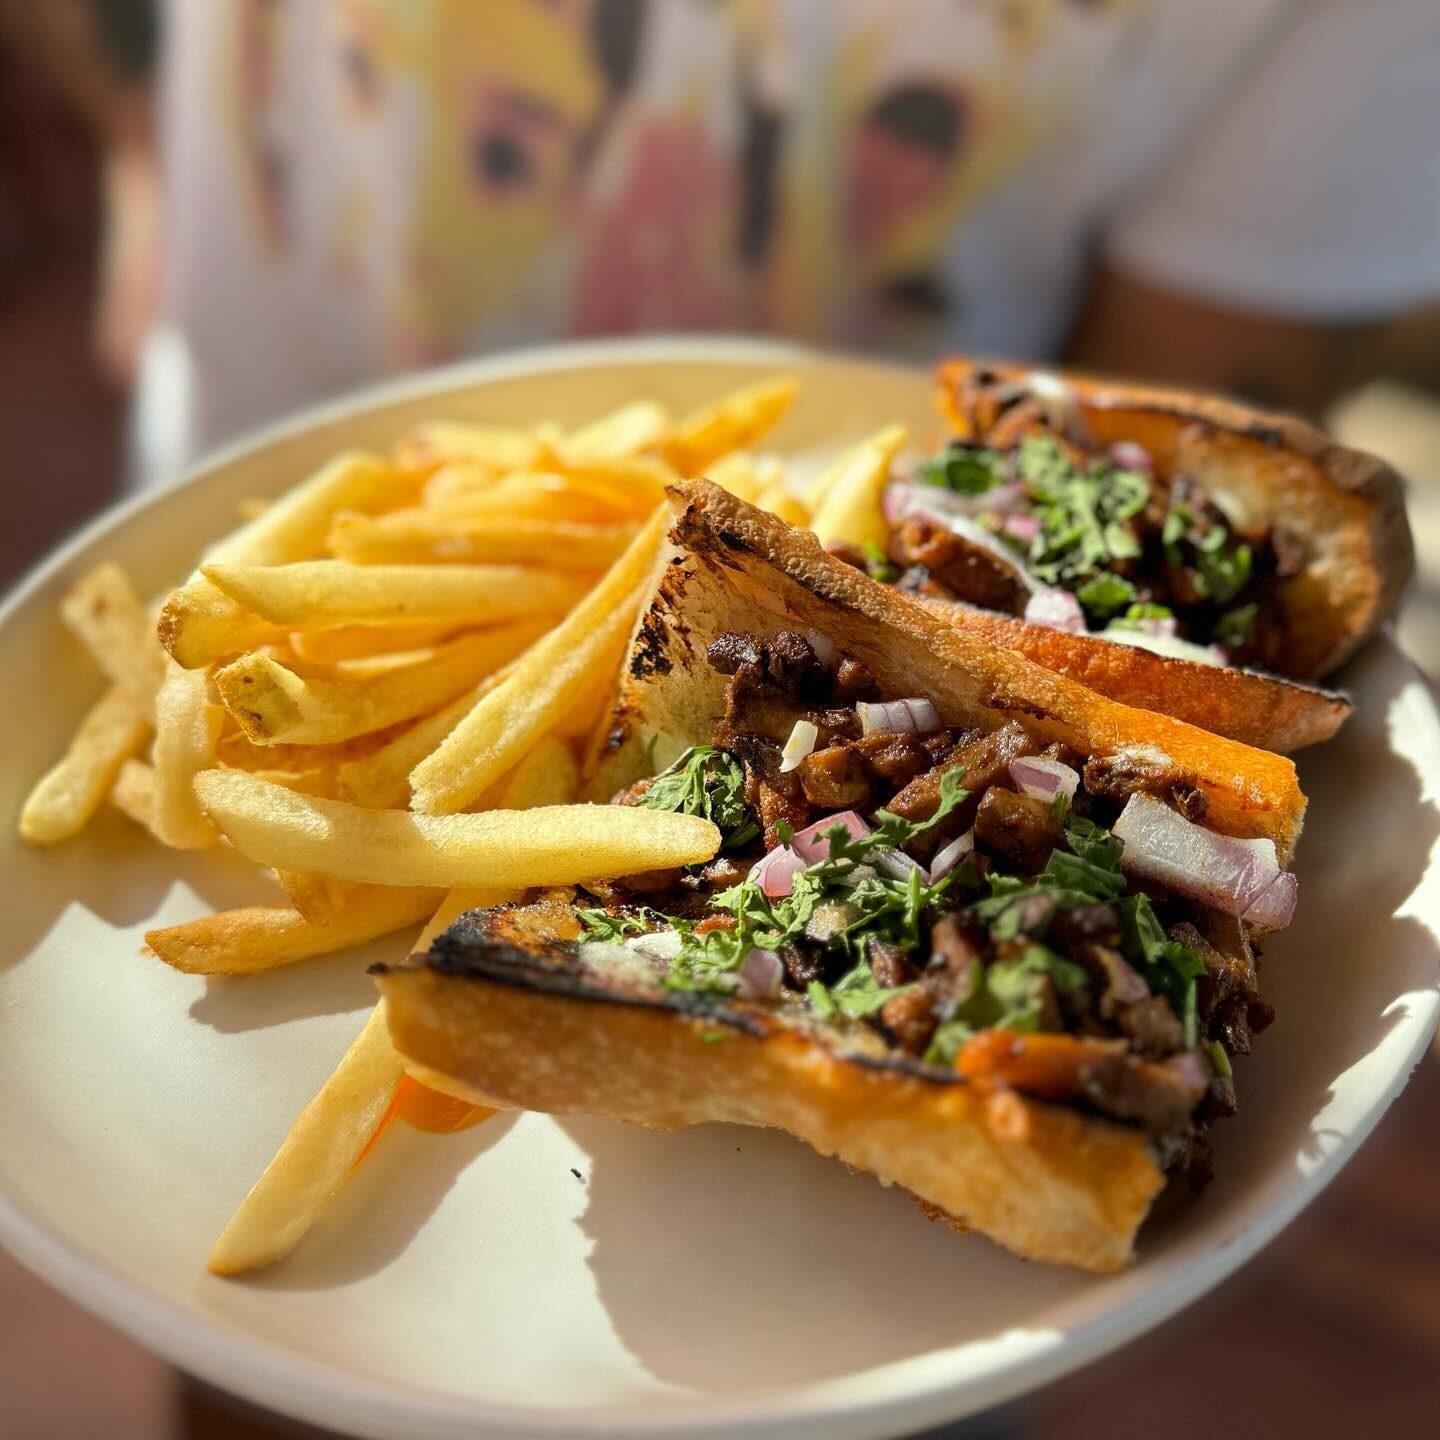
(600, 925)
(858, 993)
(1106, 594)
(1235, 627)
(1084, 515)
(967, 469)
(1219, 1059)
(878, 566)
(1136, 615)
(1221, 570)
(1009, 995)
(707, 782)
(711, 1037)
(820, 1000)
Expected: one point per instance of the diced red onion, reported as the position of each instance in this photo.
(1130, 456)
(1023, 528)
(760, 974)
(1236, 877)
(898, 717)
(775, 873)
(801, 743)
(809, 845)
(960, 849)
(1057, 610)
(1043, 779)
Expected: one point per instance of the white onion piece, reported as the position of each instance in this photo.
(1161, 625)
(898, 865)
(775, 873)
(822, 645)
(1055, 609)
(1232, 876)
(801, 743)
(760, 974)
(960, 849)
(898, 717)
(809, 845)
(662, 944)
(1043, 779)
(1130, 456)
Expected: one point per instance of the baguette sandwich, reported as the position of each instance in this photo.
(1178, 552)
(969, 925)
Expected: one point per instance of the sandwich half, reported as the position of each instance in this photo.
(970, 926)
(1179, 552)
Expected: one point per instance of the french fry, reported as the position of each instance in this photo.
(236, 750)
(731, 423)
(109, 618)
(334, 643)
(69, 794)
(332, 1134)
(199, 625)
(133, 793)
(382, 781)
(630, 430)
(561, 845)
(558, 672)
(311, 780)
(187, 726)
(315, 593)
(256, 938)
(779, 501)
(273, 703)
(320, 899)
(739, 473)
(548, 775)
(850, 488)
(493, 447)
(427, 536)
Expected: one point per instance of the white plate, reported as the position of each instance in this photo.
(700, 1282)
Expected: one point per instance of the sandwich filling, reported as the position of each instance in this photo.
(968, 902)
(1063, 532)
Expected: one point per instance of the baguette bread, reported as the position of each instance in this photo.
(508, 1010)
(1345, 510)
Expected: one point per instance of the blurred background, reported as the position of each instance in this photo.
(213, 214)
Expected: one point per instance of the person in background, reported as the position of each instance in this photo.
(1241, 194)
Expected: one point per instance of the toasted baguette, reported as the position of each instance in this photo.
(1266, 711)
(504, 1011)
(1346, 508)
(738, 568)
(530, 1026)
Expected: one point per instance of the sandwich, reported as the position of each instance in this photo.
(1178, 552)
(969, 925)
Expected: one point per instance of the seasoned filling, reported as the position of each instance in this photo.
(1052, 527)
(958, 893)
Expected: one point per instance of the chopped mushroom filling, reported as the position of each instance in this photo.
(1045, 524)
(958, 894)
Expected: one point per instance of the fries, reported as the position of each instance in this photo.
(60, 805)
(107, 615)
(330, 592)
(556, 673)
(561, 845)
(419, 537)
(845, 500)
(734, 422)
(264, 937)
(332, 1135)
(384, 647)
(272, 703)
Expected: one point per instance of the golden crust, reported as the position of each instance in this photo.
(1048, 1183)
(1346, 508)
(740, 568)
(1265, 711)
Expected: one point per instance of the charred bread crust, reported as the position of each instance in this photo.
(1346, 507)
(737, 567)
(1266, 711)
(505, 1027)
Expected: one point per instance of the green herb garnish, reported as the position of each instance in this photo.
(1235, 628)
(966, 469)
(707, 782)
(1219, 1059)
(878, 565)
(1105, 595)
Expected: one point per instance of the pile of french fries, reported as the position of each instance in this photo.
(361, 687)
